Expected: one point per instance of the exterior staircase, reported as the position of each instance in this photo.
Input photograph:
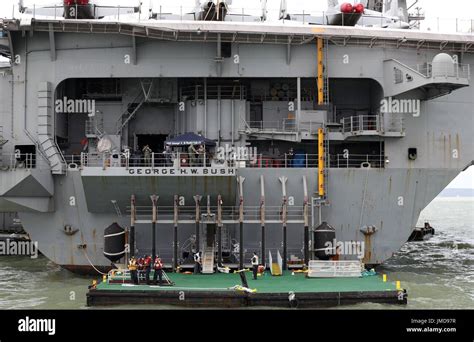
(47, 143)
(130, 112)
(208, 261)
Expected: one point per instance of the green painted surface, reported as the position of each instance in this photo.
(264, 284)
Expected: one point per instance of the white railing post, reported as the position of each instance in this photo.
(352, 124)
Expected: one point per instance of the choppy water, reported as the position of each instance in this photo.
(438, 273)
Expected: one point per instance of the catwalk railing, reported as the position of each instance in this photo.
(182, 160)
(23, 161)
(444, 70)
(361, 123)
(230, 214)
(10, 162)
(281, 126)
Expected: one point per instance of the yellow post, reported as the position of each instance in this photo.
(320, 71)
(104, 278)
(399, 287)
(321, 191)
(384, 278)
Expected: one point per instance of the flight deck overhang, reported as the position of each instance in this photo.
(260, 33)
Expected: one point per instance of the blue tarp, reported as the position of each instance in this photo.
(188, 139)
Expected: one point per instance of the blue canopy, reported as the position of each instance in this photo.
(189, 139)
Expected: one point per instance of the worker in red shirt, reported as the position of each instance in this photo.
(147, 265)
(158, 267)
(140, 267)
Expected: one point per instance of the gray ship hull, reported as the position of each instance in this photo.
(66, 209)
(378, 189)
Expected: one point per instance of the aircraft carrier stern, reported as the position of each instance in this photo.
(227, 137)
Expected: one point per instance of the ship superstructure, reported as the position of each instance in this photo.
(300, 124)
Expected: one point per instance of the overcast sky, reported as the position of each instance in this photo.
(448, 10)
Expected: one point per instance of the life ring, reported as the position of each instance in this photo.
(73, 166)
(365, 165)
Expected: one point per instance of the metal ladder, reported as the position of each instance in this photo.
(208, 261)
(132, 109)
(325, 73)
(327, 162)
(225, 239)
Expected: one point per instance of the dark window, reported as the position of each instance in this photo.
(226, 50)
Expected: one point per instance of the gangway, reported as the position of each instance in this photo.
(208, 261)
(275, 267)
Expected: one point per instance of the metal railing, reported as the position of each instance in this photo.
(12, 162)
(444, 70)
(357, 161)
(284, 125)
(22, 161)
(224, 92)
(373, 123)
(229, 212)
(361, 123)
(182, 160)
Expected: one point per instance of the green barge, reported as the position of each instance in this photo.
(222, 290)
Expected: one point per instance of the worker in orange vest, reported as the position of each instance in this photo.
(132, 266)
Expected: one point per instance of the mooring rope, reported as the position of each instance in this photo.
(89, 260)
